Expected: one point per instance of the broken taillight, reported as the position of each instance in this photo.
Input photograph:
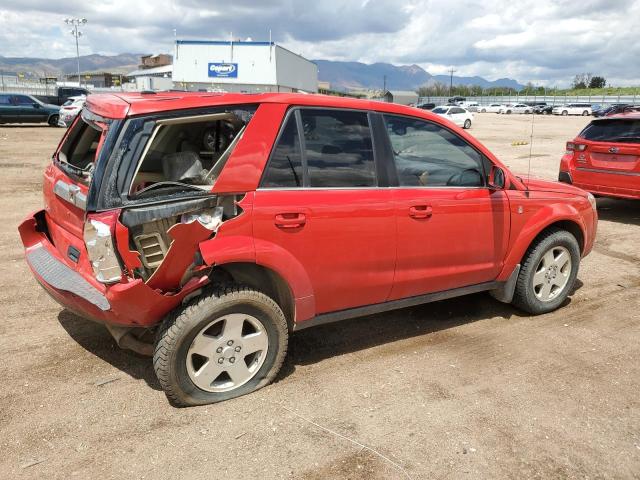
(98, 238)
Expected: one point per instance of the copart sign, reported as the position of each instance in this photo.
(223, 70)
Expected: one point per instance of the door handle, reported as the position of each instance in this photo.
(420, 211)
(290, 220)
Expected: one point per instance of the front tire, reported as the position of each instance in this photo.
(484, 110)
(549, 271)
(467, 124)
(565, 113)
(585, 113)
(226, 343)
(53, 121)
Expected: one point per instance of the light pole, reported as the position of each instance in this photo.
(75, 22)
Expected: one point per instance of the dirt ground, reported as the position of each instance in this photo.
(466, 388)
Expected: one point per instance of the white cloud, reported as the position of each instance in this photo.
(544, 41)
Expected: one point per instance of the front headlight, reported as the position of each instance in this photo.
(592, 201)
(101, 250)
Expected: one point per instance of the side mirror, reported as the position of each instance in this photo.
(497, 178)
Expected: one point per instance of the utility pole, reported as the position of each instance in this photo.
(75, 22)
(451, 80)
(384, 84)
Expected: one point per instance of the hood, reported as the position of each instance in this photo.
(540, 185)
(50, 106)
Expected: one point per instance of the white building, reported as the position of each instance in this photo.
(157, 78)
(241, 67)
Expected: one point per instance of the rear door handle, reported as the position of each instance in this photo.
(420, 211)
(290, 220)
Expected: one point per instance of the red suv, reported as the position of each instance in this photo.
(222, 223)
(605, 157)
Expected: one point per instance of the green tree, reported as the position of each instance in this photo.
(597, 82)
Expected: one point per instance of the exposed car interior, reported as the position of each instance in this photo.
(79, 150)
(188, 151)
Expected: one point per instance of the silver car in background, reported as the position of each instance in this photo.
(70, 109)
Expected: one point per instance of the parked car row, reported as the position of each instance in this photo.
(540, 108)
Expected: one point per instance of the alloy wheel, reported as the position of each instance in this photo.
(227, 353)
(552, 274)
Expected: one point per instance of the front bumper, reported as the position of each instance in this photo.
(130, 303)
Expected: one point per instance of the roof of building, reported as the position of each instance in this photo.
(223, 42)
(240, 43)
(151, 71)
(402, 96)
(409, 93)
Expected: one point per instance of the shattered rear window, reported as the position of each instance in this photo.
(77, 155)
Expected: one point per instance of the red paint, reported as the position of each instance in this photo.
(347, 246)
(130, 259)
(335, 248)
(186, 238)
(607, 168)
(461, 242)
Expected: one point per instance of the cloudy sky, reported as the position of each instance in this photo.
(543, 41)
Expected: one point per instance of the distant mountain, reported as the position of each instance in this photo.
(349, 75)
(484, 83)
(341, 75)
(38, 67)
(354, 75)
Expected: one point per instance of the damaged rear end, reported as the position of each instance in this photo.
(128, 201)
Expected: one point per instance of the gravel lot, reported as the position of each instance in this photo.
(466, 388)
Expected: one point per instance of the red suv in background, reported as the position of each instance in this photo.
(222, 223)
(605, 157)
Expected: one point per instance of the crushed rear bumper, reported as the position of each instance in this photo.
(130, 303)
(56, 274)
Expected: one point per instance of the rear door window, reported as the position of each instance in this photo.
(616, 130)
(331, 149)
(23, 100)
(285, 166)
(338, 148)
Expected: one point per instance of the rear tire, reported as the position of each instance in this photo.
(549, 271)
(199, 357)
(565, 113)
(484, 110)
(508, 112)
(585, 113)
(467, 124)
(53, 121)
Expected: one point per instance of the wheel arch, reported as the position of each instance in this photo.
(569, 220)
(261, 278)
